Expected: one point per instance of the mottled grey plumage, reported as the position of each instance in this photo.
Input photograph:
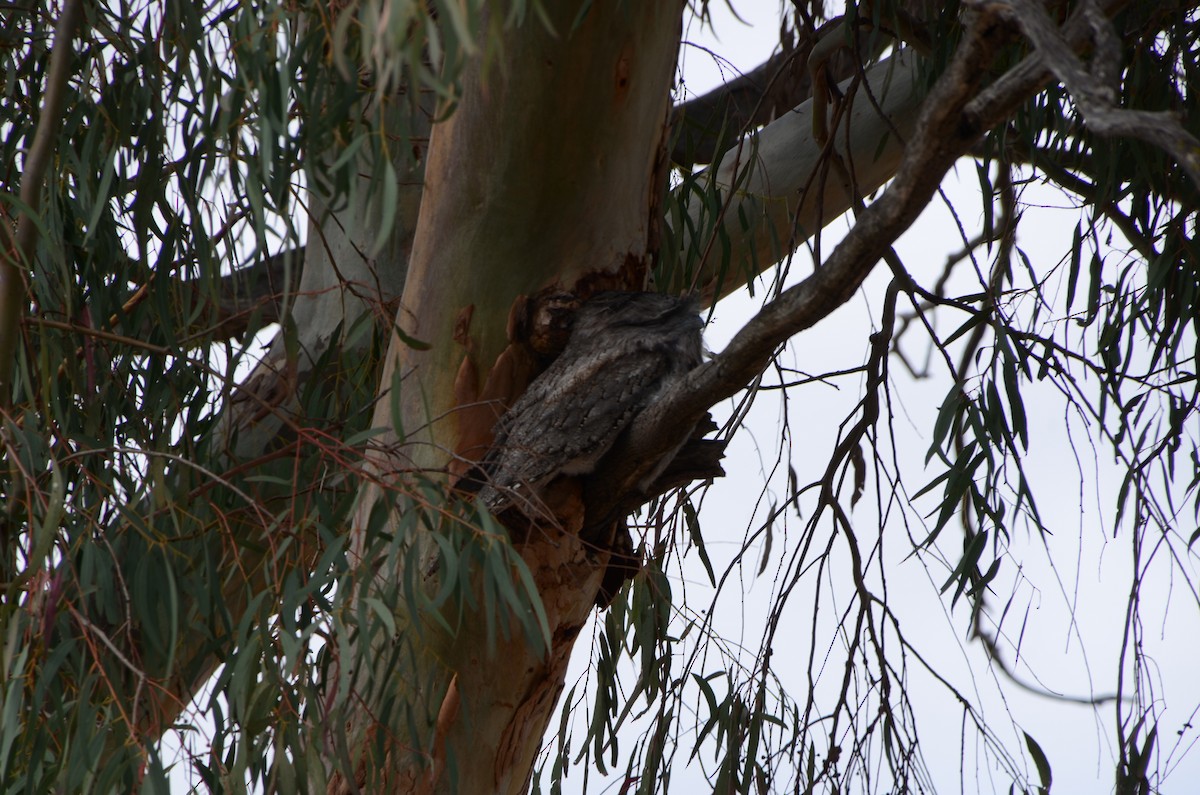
(624, 350)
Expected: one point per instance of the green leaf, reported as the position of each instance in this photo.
(1073, 272)
(987, 193)
(410, 341)
(388, 202)
(1012, 390)
(448, 570)
(693, 525)
(947, 413)
(768, 540)
(1043, 765)
(538, 634)
(968, 564)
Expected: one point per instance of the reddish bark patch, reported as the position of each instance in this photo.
(622, 75)
(537, 329)
(632, 275)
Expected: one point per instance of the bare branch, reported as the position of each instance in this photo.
(711, 124)
(260, 289)
(738, 105)
(253, 293)
(776, 185)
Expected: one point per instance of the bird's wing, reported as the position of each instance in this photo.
(570, 418)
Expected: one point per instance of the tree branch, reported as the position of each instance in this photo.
(741, 103)
(711, 124)
(18, 249)
(777, 188)
(233, 299)
(1094, 89)
(258, 288)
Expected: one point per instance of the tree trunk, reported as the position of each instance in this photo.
(564, 197)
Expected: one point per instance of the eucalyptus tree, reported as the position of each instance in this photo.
(273, 270)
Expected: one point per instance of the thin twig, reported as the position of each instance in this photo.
(88, 331)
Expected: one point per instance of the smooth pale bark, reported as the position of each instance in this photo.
(544, 175)
(779, 187)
